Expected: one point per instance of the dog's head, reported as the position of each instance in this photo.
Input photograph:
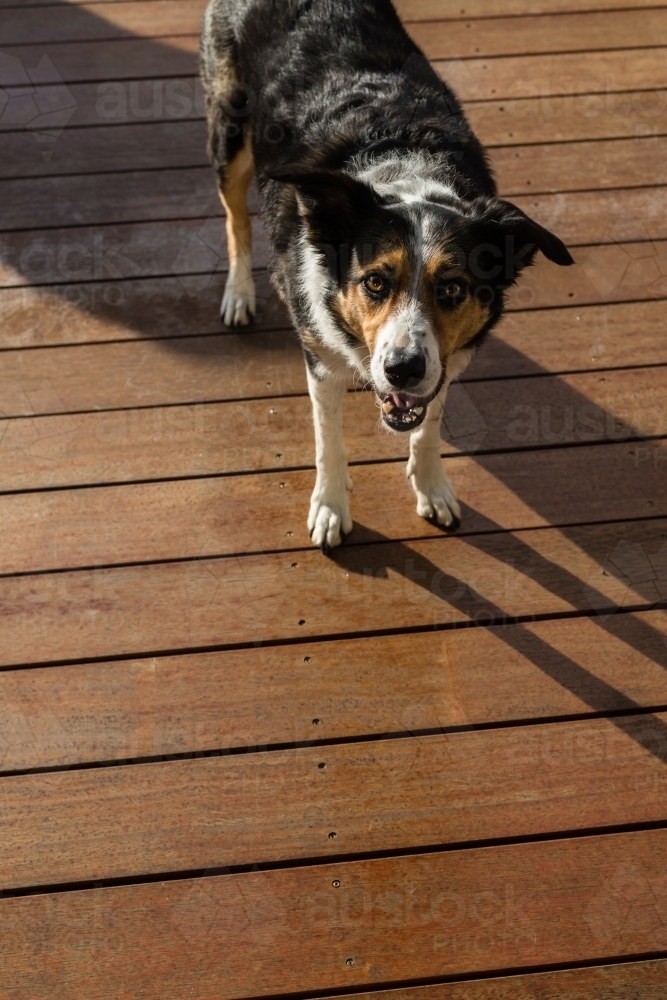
(411, 280)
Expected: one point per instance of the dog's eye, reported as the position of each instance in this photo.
(375, 284)
(451, 293)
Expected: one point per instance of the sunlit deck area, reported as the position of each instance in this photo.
(232, 767)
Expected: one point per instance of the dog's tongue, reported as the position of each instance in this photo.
(402, 402)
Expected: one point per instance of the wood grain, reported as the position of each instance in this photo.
(579, 166)
(567, 118)
(219, 516)
(431, 10)
(153, 373)
(95, 311)
(526, 342)
(396, 919)
(117, 60)
(122, 611)
(624, 981)
(152, 146)
(565, 73)
(130, 102)
(256, 698)
(194, 251)
(561, 32)
(552, 32)
(84, 825)
(212, 517)
(94, 22)
(171, 193)
(192, 440)
(109, 198)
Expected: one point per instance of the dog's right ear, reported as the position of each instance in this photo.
(332, 202)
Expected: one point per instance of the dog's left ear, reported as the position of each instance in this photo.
(332, 202)
(529, 236)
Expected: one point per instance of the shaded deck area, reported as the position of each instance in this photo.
(230, 767)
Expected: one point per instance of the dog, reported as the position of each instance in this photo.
(389, 244)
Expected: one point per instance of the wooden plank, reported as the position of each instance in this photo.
(95, 22)
(515, 35)
(109, 198)
(116, 102)
(399, 919)
(181, 246)
(552, 32)
(192, 440)
(183, 606)
(572, 117)
(96, 311)
(581, 165)
(175, 442)
(432, 10)
(629, 979)
(567, 73)
(213, 517)
(124, 59)
(498, 123)
(194, 250)
(474, 79)
(84, 825)
(612, 272)
(167, 162)
(600, 216)
(525, 343)
(261, 697)
(78, 151)
(213, 369)
(552, 340)
(136, 196)
(568, 118)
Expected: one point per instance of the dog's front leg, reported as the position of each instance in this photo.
(436, 499)
(329, 518)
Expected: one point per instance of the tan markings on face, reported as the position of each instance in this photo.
(454, 327)
(361, 314)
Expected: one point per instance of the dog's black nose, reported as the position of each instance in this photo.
(404, 370)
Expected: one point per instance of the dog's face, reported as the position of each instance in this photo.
(414, 281)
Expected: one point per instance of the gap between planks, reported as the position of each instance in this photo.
(565, 897)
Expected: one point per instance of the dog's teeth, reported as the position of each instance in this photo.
(388, 407)
(418, 410)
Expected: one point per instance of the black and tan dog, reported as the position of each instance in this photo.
(389, 244)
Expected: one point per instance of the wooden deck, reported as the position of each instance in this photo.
(229, 766)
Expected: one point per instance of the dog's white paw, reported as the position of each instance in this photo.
(329, 518)
(238, 302)
(436, 499)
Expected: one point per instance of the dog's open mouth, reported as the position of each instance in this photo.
(402, 412)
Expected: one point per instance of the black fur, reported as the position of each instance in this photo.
(327, 86)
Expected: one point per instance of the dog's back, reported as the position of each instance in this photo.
(321, 81)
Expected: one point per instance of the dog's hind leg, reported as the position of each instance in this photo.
(436, 500)
(230, 151)
(238, 301)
